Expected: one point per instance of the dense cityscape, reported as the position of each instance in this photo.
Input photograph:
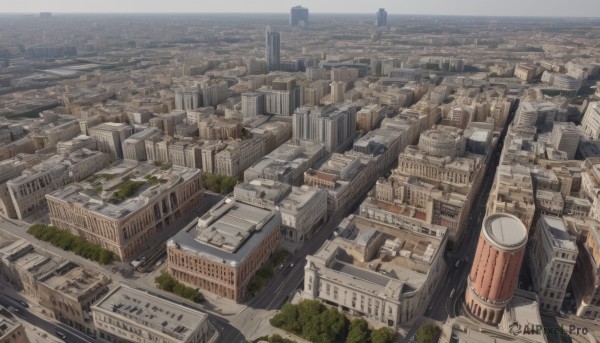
(299, 177)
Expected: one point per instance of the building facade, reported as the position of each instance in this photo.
(223, 249)
(131, 315)
(552, 259)
(127, 226)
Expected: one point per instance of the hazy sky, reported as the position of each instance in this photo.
(449, 7)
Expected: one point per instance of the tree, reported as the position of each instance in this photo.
(383, 335)
(427, 333)
(358, 332)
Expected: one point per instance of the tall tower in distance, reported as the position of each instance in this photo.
(381, 19)
(495, 271)
(272, 49)
(299, 16)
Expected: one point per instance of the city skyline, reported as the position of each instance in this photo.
(551, 8)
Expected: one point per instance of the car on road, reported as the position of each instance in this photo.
(280, 266)
(457, 264)
(59, 334)
(24, 304)
(452, 292)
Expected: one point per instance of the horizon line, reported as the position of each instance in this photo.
(334, 13)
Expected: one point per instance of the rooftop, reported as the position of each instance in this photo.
(75, 281)
(557, 232)
(228, 232)
(109, 179)
(505, 231)
(155, 313)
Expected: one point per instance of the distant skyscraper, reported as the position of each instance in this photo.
(272, 49)
(495, 271)
(298, 16)
(381, 18)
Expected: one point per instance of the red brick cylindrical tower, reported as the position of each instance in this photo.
(495, 271)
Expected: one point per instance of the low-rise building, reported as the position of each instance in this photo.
(287, 163)
(346, 179)
(27, 191)
(303, 209)
(11, 330)
(221, 251)
(380, 272)
(68, 294)
(102, 211)
(131, 315)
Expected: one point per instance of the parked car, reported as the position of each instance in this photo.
(61, 335)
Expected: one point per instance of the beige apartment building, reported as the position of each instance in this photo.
(552, 259)
(131, 315)
(586, 273)
(110, 137)
(27, 191)
(128, 226)
(512, 193)
(239, 155)
(11, 330)
(68, 294)
(221, 251)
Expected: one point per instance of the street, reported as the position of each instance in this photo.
(25, 315)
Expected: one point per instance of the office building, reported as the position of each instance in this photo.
(591, 121)
(132, 315)
(221, 251)
(376, 271)
(381, 18)
(129, 225)
(134, 147)
(565, 137)
(495, 270)
(335, 127)
(188, 99)
(253, 104)
(239, 155)
(552, 257)
(369, 117)
(110, 137)
(337, 92)
(214, 92)
(272, 49)
(298, 16)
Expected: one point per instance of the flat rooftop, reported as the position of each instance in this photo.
(76, 281)
(82, 194)
(230, 229)
(227, 233)
(152, 312)
(557, 231)
(505, 230)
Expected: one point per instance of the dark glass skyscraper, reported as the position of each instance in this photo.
(381, 18)
(272, 49)
(298, 16)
